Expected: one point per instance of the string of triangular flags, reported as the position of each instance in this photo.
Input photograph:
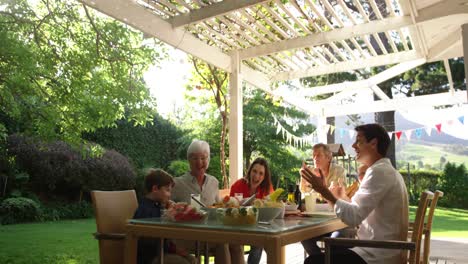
(294, 140)
(313, 138)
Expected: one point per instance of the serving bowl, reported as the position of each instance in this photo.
(290, 207)
(267, 214)
(244, 215)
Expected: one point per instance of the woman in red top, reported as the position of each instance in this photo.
(258, 182)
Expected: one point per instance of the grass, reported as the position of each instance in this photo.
(429, 154)
(448, 222)
(71, 242)
(61, 242)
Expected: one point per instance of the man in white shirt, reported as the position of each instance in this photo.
(379, 207)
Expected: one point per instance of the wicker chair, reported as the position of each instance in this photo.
(112, 209)
(414, 245)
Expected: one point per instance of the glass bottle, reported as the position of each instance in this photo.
(297, 195)
(291, 197)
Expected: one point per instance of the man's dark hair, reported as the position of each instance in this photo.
(159, 178)
(376, 131)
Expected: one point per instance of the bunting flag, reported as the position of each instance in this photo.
(312, 138)
(398, 134)
(408, 134)
(418, 132)
(342, 132)
(428, 131)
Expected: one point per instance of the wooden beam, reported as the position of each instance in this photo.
(326, 37)
(442, 9)
(436, 52)
(235, 122)
(210, 11)
(449, 75)
(403, 56)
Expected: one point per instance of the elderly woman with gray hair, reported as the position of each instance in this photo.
(197, 181)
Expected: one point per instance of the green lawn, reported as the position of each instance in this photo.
(428, 154)
(62, 242)
(448, 222)
(71, 242)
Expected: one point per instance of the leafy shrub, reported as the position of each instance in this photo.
(60, 211)
(454, 184)
(421, 180)
(55, 169)
(17, 210)
(178, 167)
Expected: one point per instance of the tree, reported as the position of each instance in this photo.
(261, 139)
(67, 69)
(214, 80)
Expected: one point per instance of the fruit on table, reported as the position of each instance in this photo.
(274, 195)
(184, 212)
(239, 216)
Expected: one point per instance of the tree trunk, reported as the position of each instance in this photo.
(331, 135)
(222, 152)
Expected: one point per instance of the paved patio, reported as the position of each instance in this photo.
(443, 251)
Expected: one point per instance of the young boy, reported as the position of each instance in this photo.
(158, 187)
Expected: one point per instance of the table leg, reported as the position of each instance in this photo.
(275, 252)
(130, 249)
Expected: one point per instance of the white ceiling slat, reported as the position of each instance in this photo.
(391, 41)
(361, 10)
(276, 60)
(358, 46)
(199, 3)
(320, 55)
(281, 20)
(329, 54)
(290, 59)
(346, 10)
(210, 11)
(279, 57)
(348, 49)
(338, 51)
(225, 43)
(350, 65)
(293, 17)
(380, 43)
(253, 31)
(332, 12)
(171, 6)
(319, 14)
(317, 60)
(380, 16)
(375, 9)
(259, 25)
(415, 39)
(161, 8)
(234, 32)
(390, 7)
(369, 46)
(205, 25)
(326, 37)
(403, 40)
(272, 24)
(309, 20)
(184, 4)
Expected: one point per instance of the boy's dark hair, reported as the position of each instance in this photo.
(376, 131)
(159, 178)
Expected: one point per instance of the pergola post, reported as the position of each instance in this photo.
(465, 52)
(322, 129)
(235, 120)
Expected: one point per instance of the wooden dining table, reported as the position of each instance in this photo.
(273, 237)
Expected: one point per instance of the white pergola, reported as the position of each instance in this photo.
(263, 42)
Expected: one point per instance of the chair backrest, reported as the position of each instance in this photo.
(428, 227)
(112, 209)
(418, 226)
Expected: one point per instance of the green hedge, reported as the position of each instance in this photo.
(421, 180)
